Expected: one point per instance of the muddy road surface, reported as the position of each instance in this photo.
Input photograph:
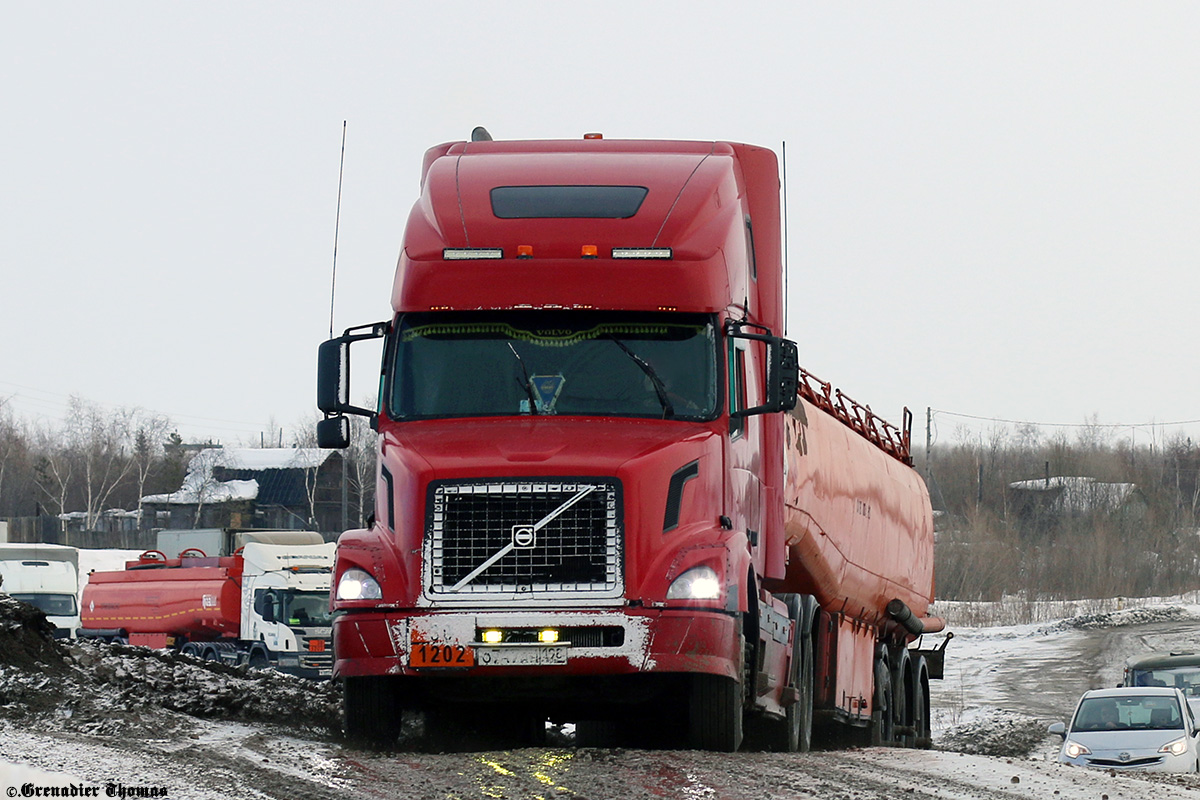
(123, 721)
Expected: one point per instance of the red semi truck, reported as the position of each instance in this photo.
(606, 492)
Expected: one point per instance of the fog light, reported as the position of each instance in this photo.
(493, 637)
(548, 636)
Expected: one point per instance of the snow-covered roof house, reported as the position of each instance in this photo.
(1068, 495)
(278, 487)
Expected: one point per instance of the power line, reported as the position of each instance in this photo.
(22, 398)
(1068, 424)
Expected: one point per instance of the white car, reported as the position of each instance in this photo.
(1148, 728)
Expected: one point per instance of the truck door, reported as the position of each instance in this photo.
(745, 490)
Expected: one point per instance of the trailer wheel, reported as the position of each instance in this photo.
(597, 733)
(921, 723)
(903, 696)
(881, 715)
(804, 706)
(371, 708)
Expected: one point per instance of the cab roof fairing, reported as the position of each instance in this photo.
(696, 205)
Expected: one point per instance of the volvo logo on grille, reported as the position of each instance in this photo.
(523, 536)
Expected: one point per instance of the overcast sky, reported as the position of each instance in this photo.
(994, 208)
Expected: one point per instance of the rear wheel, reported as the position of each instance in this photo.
(371, 708)
(804, 706)
(921, 706)
(597, 733)
(794, 732)
(881, 716)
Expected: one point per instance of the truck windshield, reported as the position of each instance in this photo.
(1185, 678)
(306, 609)
(53, 605)
(583, 363)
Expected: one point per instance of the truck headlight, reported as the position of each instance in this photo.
(357, 584)
(698, 583)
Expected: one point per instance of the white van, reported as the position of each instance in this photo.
(45, 576)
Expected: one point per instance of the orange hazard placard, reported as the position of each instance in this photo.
(436, 654)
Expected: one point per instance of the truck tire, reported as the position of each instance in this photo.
(259, 659)
(793, 733)
(881, 715)
(597, 733)
(715, 713)
(804, 706)
(921, 705)
(903, 696)
(371, 708)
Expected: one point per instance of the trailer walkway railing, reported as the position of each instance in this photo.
(894, 441)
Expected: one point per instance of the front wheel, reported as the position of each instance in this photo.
(715, 713)
(372, 713)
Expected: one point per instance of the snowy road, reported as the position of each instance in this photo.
(1031, 671)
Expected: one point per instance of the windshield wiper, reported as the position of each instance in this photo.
(533, 405)
(659, 388)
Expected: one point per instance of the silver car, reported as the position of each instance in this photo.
(1132, 727)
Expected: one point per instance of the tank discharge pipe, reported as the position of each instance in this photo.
(915, 625)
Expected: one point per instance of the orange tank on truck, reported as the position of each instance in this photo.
(266, 605)
(607, 492)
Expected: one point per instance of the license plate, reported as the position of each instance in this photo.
(436, 654)
(536, 656)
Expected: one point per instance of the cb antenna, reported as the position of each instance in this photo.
(337, 222)
(785, 238)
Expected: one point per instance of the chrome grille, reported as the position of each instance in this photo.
(539, 536)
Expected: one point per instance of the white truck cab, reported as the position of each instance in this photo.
(285, 603)
(45, 576)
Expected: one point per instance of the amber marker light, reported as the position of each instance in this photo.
(593, 136)
(589, 251)
(524, 251)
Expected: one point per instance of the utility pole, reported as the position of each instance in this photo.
(345, 503)
(928, 443)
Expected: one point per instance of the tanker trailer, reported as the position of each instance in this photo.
(266, 605)
(859, 547)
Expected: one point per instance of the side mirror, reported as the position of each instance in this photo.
(264, 606)
(1058, 729)
(334, 432)
(783, 372)
(333, 384)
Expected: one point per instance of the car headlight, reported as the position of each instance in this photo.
(357, 584)
(698, 583)
(1175, 748)
(1075, 750)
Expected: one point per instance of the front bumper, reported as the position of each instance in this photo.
(1134, 761)
(648, 641)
